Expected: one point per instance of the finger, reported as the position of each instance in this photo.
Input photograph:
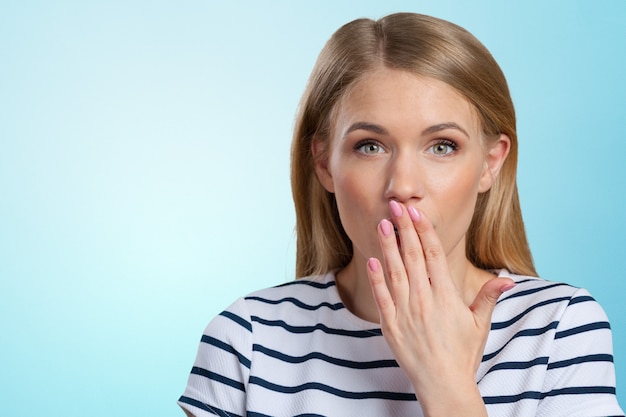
(486, 299)
(410, 247)
(382, 297)
(434, 254)
(396, 273)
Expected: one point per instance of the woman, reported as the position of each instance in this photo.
(419, 294)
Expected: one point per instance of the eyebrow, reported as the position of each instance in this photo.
(443, 126)
(370, 127)
(374, 128)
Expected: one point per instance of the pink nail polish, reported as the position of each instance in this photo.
(372, 264)
(386, 227)
(414, 214)
(395, 208)
(507, 288)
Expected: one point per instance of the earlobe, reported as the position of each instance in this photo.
(320, 160)
(494, 160)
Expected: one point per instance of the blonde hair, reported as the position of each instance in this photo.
(425, 46)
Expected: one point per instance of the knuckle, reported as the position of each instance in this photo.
(492, 298)
(434, 252)
(413, 254)
(385, 303)
(396, 275)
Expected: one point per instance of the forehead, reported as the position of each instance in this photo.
(399, 98)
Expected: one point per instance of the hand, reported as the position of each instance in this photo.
(436, 338)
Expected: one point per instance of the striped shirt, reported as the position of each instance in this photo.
(295, 350)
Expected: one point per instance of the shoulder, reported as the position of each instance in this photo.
(297, 298)
(307, 293)
(235, 330)
(535, 292)
(550, 340)
(547, 307)
(312, 287)
(537, 287)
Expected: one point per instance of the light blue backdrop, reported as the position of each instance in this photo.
(144, 174)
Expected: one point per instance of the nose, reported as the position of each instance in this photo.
(405, 179)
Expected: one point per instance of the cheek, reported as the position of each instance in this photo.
(351, 182)
(457, 200)
(350, 193)
(359, 203)
(459, 183)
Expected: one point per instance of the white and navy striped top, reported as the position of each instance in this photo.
(295, 350)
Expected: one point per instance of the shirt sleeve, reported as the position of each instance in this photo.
(580, 380)
(218, 380)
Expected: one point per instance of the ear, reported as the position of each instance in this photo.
(320, 160)
(494, 159)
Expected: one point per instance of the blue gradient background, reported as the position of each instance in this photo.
(144, 174)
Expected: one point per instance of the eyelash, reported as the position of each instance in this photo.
(362, 143)
(445, 142)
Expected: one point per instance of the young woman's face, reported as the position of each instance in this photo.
(412, 139)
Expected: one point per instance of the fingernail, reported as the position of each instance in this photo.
(372, 264)
(395, 208)
(386, 227)
(507, 288)
(414, 214)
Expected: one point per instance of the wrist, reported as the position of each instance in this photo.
(453, 400)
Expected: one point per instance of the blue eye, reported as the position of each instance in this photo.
(445, 147)
(369, 148)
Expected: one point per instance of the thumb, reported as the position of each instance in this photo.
(486, 299)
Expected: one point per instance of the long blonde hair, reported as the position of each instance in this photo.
(425, 46)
